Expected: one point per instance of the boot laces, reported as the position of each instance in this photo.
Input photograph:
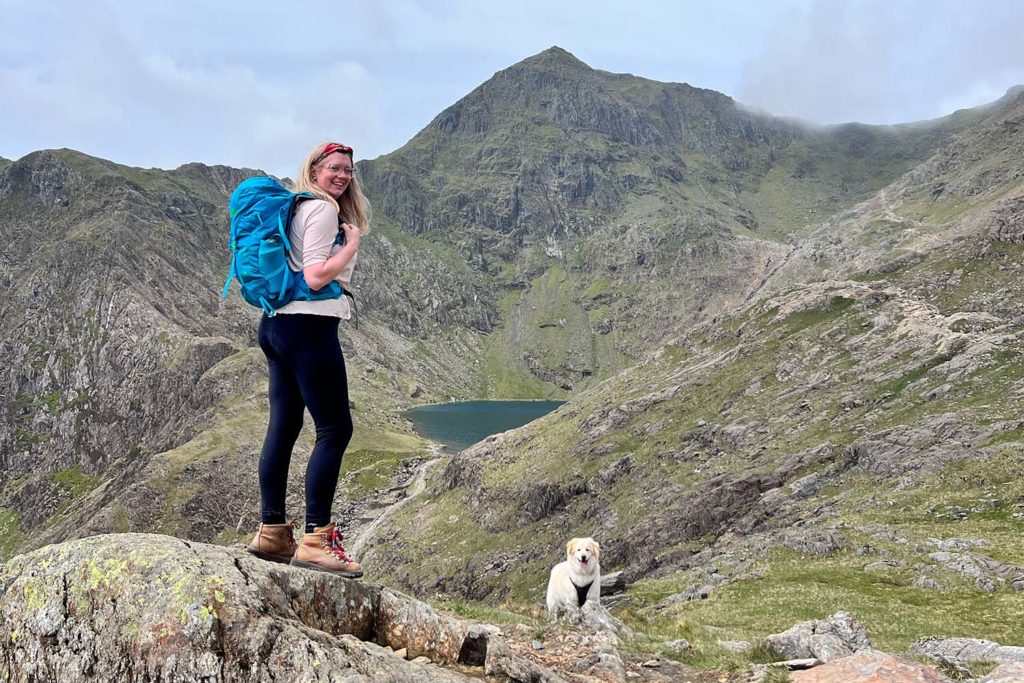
(335, 547)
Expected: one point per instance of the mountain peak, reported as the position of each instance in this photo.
(1013, 92)
(554, 56)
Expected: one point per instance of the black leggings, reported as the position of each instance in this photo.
(307, 370)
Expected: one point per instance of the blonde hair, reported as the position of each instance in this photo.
(353, 206)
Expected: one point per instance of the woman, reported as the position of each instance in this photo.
(307, 368)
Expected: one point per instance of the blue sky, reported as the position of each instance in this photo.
(256, 83)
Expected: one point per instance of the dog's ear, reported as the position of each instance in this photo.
(570, 547)
(597, 548)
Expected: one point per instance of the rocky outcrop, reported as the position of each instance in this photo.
(958, 652)
(1006, 223)
(153, 608)
(988, 574)
(826, 639)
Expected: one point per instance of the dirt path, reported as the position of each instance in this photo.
(417, 484)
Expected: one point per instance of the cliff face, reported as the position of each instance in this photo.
(110, 277)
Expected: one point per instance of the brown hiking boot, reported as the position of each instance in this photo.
(274, 542)
(322, 550)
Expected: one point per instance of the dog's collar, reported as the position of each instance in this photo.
(581, 592)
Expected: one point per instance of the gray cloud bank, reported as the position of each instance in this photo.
(879, 61)
(256, 83)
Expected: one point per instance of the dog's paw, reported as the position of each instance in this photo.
(574, 615)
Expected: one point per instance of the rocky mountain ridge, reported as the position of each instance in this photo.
(612, 211)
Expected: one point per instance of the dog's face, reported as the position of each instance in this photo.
(583, 553)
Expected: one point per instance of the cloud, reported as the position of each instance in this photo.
(109, 91)
(160, 84)
(883, 62)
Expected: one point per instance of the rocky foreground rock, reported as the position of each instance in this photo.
(142, 607)
(147, 608)
(869, 666)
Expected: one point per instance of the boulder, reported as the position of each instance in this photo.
(926, 582)
(869, 666)
(503, 662)
(987, 572)
(145, 607)
(813, 542)
(680, 645)
(960, 651)
(597, 617)
(838, 636)
(612, 583)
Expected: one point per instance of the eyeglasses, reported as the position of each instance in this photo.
(349, 171)
(331, 149)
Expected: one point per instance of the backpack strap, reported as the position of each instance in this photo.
(231, 274)
(283, 233)
(231, 268)
(355, 311)
(267, 308)
(283, 288)
(339, 240)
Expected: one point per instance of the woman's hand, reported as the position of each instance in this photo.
(319, 275)
(352, 234)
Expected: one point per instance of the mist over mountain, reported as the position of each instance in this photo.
(781, 344)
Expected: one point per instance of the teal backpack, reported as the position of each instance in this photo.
(261, 210)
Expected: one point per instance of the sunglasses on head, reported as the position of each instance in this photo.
(331, 149)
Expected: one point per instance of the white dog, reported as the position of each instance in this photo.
(577, 580)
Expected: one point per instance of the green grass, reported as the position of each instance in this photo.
(829, 311)
(980, 278)
(11, 537)
(505, 377)
(504, 371)
(990, 488)
(368, 438)
(366, 470)
(796, 588)
(74, 481)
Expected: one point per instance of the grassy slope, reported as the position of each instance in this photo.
(786, 377)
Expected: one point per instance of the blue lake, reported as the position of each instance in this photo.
(459, 425)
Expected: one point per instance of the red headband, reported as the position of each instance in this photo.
(331, 148)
